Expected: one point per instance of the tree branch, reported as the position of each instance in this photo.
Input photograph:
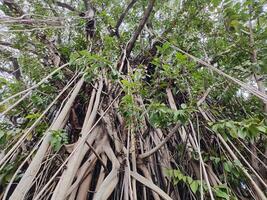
(166, 139)
(65, 5)
(119, 22)
(16, 67)
(140, 27)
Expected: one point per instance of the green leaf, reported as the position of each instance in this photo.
(181, 57)
(33, 116)
(241, 133)
(178, 175)
(58, 138)
(216, 127)
(183, 106)
(184, 178)
(233, 131)
(262, 129)
(227, 166)
(165, 46)
(222, 194)
(215, 159)
(189, 180)
(194, 186)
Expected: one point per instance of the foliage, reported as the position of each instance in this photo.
(162, 116)
(247, 128)
(230, 35)
(178, 176)
(58, 138)
(196, 186)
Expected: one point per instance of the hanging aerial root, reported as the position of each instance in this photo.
(40, 141)
(24, 136)
(166, 139)
(35, 164)
(75, 149)
(150, 185)
(148, 176)
(111, 181)
(102, 173)
(73, 164)
(87, 165)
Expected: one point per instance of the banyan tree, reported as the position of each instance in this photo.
(133, 99)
